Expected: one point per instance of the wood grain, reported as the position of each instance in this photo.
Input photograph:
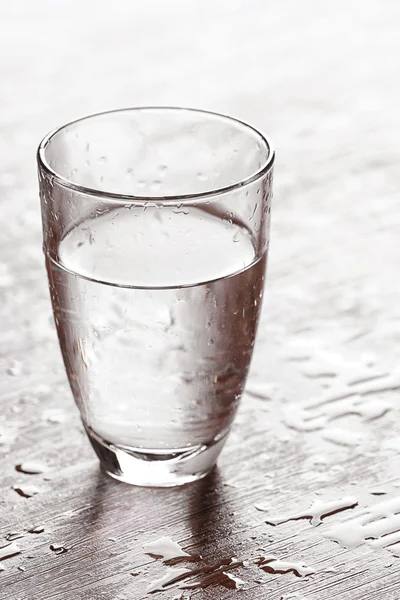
(321, 79)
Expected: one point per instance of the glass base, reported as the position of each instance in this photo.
(156, 468)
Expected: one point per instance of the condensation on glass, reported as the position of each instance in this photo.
(156, 231)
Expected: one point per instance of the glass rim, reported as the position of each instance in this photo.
(170, 198)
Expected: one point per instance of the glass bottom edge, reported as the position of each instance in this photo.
(154, 468)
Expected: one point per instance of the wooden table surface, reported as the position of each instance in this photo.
(320, 420)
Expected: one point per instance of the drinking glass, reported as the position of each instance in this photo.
(156, 232)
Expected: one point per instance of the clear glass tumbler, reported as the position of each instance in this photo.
(156, 232)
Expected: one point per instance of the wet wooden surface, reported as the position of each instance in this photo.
(322, 80)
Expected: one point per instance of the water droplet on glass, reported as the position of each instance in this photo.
(202, 176)
(237, 235)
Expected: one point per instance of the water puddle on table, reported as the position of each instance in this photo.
(317, 413)
(318, 510)
(9, 550)
(216, 574)
(221, 578)
(270, 564)
(378, 526)
(165, 548)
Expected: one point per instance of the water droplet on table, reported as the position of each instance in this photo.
(261, 391)
(164, 548)
(54, 415)
(14, 535)
(31, 467)
(342, 437)
(58, 548)
(26, 490)
(37, 529)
